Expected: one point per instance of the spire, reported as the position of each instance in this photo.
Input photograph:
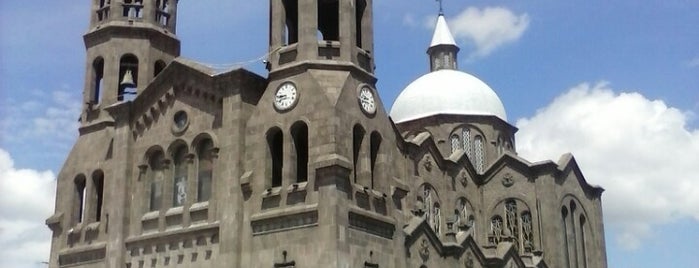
(442, 34)
(443, 49)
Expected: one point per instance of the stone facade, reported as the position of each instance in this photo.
(179, 165)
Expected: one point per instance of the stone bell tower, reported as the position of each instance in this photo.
(129, 42)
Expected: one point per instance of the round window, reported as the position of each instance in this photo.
(180, 121)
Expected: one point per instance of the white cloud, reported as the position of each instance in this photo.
(489, 28)
(53, 120)
(641, 151)
(26, 199)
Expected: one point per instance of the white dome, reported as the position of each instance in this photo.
(446, 92)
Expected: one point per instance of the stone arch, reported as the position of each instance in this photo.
(80, 186)
(300, 139)
(465, 214)
(128, 71)
(97, 193)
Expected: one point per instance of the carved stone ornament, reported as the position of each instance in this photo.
(428, 163)
(507, 180)
(463, 179)
(468, 261)
(425, 249)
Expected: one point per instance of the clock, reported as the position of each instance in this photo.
(367, 101)
(286, 96)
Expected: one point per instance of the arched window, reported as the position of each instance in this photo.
(583, 239)
(291, 11)
(205, 168)
(360, 9)
(133, 8)
(512, 221)
(329, 19)
(275, 142)
(466, 137)
(437, 218)
(573, 233)
(98, 79)
(162, 13)
(375, 146)
(179, 179)
(79, 203)
(158, 67)
(496, 230)
(455, 143)
(464, 219)
(98, 184)
(479, 154)
(155, 162)
(564, 221)
(357, 139)
(299, 135)
(527, 232)
(128, 73)
(103, 10)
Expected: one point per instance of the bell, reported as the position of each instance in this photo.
(127, 81)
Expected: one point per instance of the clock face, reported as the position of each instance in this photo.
(286, 96)
(366, 100)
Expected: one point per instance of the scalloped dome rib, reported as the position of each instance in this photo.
(446, 92)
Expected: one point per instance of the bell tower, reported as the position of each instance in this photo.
(128, 43)
(321, 32)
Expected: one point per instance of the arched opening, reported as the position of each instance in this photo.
(455, 143)
(128, 73)
(205, 168)
(103, 9)
(329, 19)
(158, 68)
(360, 9)
(583, 239)
(275, 142)
(512, 221)
(437, 218)
(97, 80)
(179, 190)
(479, 153)
(98, 184)
(291, 12)
(375, 146)
(299, 135)
(574, 233)
(133, 9)
(79, 203)
(466, 137)
(162, 12)
(156, 163)
(564, 221)
(527, 232)
(496, 230)
(357, 139)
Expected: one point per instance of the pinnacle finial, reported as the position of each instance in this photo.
(441, 7)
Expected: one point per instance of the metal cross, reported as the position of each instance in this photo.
(441, 9)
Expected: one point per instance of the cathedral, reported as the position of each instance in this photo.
(181, 165)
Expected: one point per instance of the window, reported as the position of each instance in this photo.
(133, 9)
(512, 221)
(455, 143)
(291, 10)
(583, 239)
(179, 181)
(299, 134)
(156, 161)
(329, 19)
(357, 139)
(464, 218)
(275, 141)
(566, 248)
(496, 230)
(360, 9)
(97, 80)
(158, 67)
(479, 154)
(375, 145)
(79, 204)
(162, 12)
(128, 72)
(466, 136)
(437, 218)
(98, 184)
(205, 170)
(527, 232)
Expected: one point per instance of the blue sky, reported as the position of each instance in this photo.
(617, 83)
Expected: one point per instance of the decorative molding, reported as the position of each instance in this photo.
(371, 225)
(285, 222)
(83, 257)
